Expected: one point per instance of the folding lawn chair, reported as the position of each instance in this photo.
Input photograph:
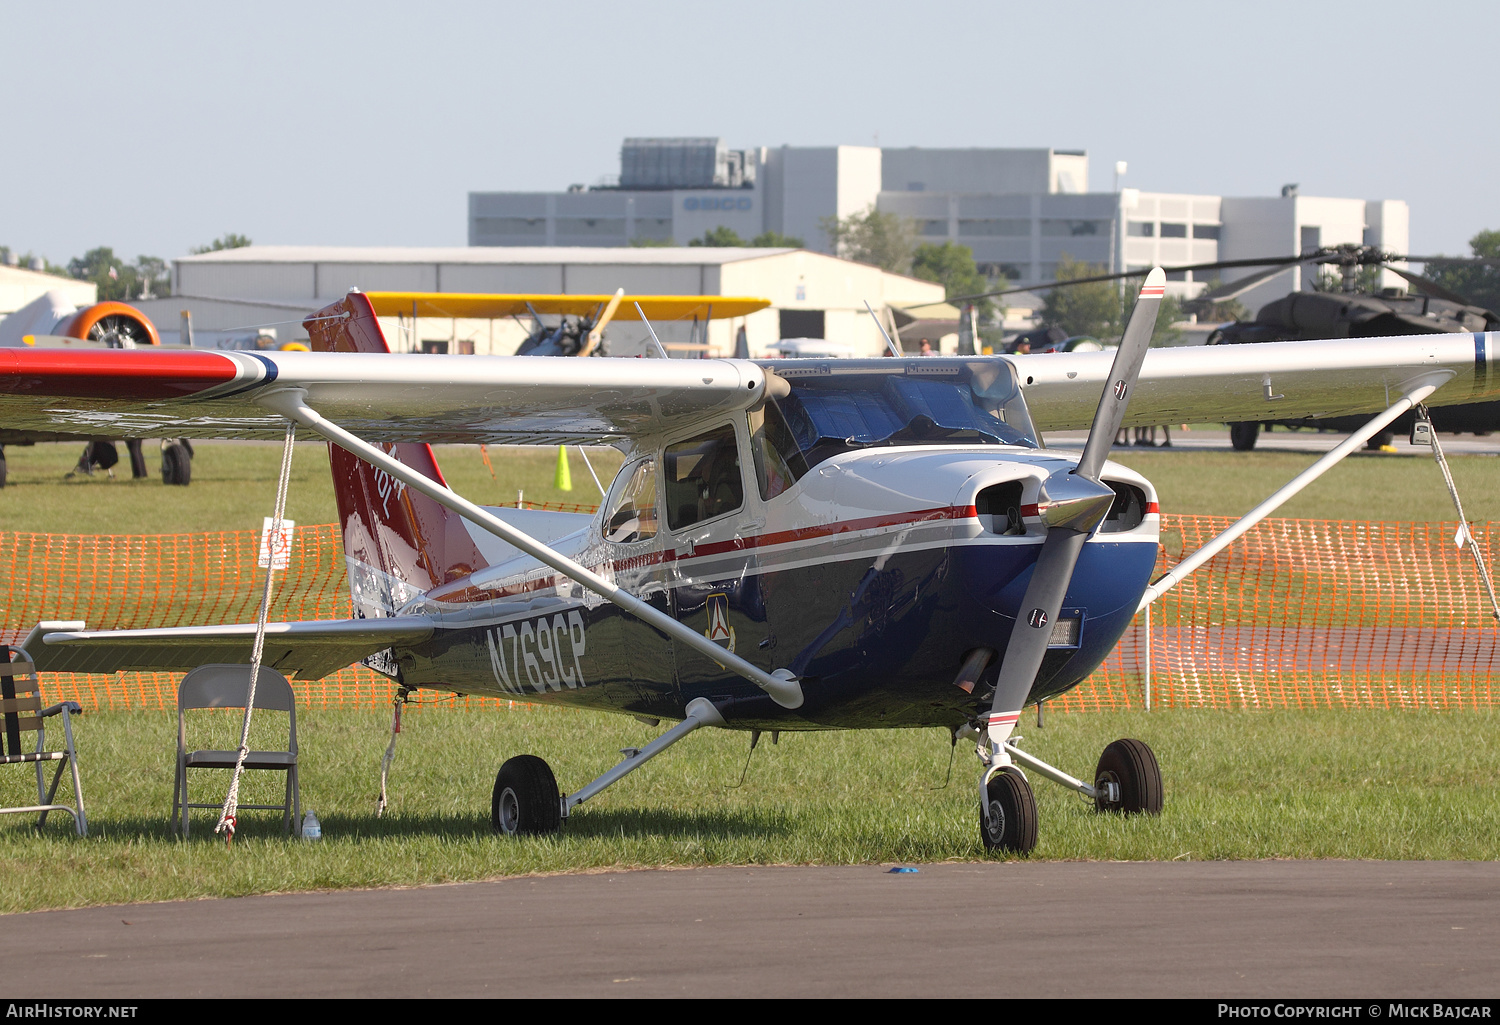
(226, 686)
(21, 712)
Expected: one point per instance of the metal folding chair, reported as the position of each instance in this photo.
(21, 712)
(226, 686)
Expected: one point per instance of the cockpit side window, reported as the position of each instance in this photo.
(703, 477)
(632, 505)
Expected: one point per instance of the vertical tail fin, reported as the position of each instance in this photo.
(398, 543)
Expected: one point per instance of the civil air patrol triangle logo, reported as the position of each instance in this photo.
(719, 631)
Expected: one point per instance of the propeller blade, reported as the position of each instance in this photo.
(1122, 375)
(1073, 504)
(597, 331)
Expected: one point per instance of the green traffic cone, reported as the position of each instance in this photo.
(562, 480)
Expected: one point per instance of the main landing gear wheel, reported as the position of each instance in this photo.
(526, 801)
(1010, 824)
(1242, 436)
(1128, 780)
(176, 463)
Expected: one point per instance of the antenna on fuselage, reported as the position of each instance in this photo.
(889, 344)
(659, 347)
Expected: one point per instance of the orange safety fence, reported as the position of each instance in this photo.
(1295, 614)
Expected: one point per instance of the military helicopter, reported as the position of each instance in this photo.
(1350, 310)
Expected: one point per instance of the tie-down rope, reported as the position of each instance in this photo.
(273, 538)
(1464, 533)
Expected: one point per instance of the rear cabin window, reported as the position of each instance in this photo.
(703, 477)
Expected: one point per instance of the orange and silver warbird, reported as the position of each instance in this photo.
(789, 545)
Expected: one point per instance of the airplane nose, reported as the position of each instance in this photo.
(1073, 502)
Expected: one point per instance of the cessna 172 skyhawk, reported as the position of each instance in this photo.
(798, 544)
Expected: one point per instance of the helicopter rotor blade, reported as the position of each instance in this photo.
(1074, 503)
(1429, 286)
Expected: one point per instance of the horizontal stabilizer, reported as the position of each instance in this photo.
(310, 649)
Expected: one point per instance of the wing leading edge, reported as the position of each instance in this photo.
(1273, 380)
(381, 396)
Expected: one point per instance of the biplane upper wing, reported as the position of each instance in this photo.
(482, 306)
(385, 397)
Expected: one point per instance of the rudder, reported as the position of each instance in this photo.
(398, 542)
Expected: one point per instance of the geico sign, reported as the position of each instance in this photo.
(716, 203)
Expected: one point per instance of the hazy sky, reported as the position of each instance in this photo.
(152, 128)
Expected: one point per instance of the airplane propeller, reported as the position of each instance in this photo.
(1073, 503)
(596, 333)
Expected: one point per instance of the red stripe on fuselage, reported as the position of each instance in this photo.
(129, 374)
(781, 537)
(955, 512)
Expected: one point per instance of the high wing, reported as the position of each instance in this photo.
(380, 396)
(1228, 383)
(385, 397)
(484, 306)
(311, 649)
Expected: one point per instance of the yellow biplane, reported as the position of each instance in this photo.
(583, 318)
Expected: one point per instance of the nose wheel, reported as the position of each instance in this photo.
(1007, 823)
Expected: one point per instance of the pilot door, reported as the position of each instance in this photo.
(711, 525)
(640, 657)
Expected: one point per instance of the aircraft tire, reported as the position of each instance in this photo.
(1132, 765)
(1011, 825)
(526, 801)
(1242, 436)
(176, 464)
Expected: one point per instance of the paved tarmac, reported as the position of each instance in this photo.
(1284, 929)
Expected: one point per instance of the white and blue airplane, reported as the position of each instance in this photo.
(789, 544)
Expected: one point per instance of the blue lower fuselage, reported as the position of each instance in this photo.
(876, 642)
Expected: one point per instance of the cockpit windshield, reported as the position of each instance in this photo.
(841, 405)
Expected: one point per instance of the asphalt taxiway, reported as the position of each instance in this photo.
(1281, 929)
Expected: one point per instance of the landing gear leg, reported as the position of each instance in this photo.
(526, 801)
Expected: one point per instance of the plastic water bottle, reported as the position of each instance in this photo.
(312, 829)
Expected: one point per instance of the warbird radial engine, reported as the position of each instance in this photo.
(789, 545)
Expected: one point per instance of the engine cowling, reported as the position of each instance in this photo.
(115, 324)
(119, 325)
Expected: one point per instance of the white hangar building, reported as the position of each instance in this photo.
(812, 295)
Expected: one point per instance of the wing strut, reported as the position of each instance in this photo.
(1415, 392)
(782, 685)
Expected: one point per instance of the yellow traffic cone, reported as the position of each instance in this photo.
(562, 480)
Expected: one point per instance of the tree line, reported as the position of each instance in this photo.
(146, 277)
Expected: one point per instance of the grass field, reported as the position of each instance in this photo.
(1239, 785)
